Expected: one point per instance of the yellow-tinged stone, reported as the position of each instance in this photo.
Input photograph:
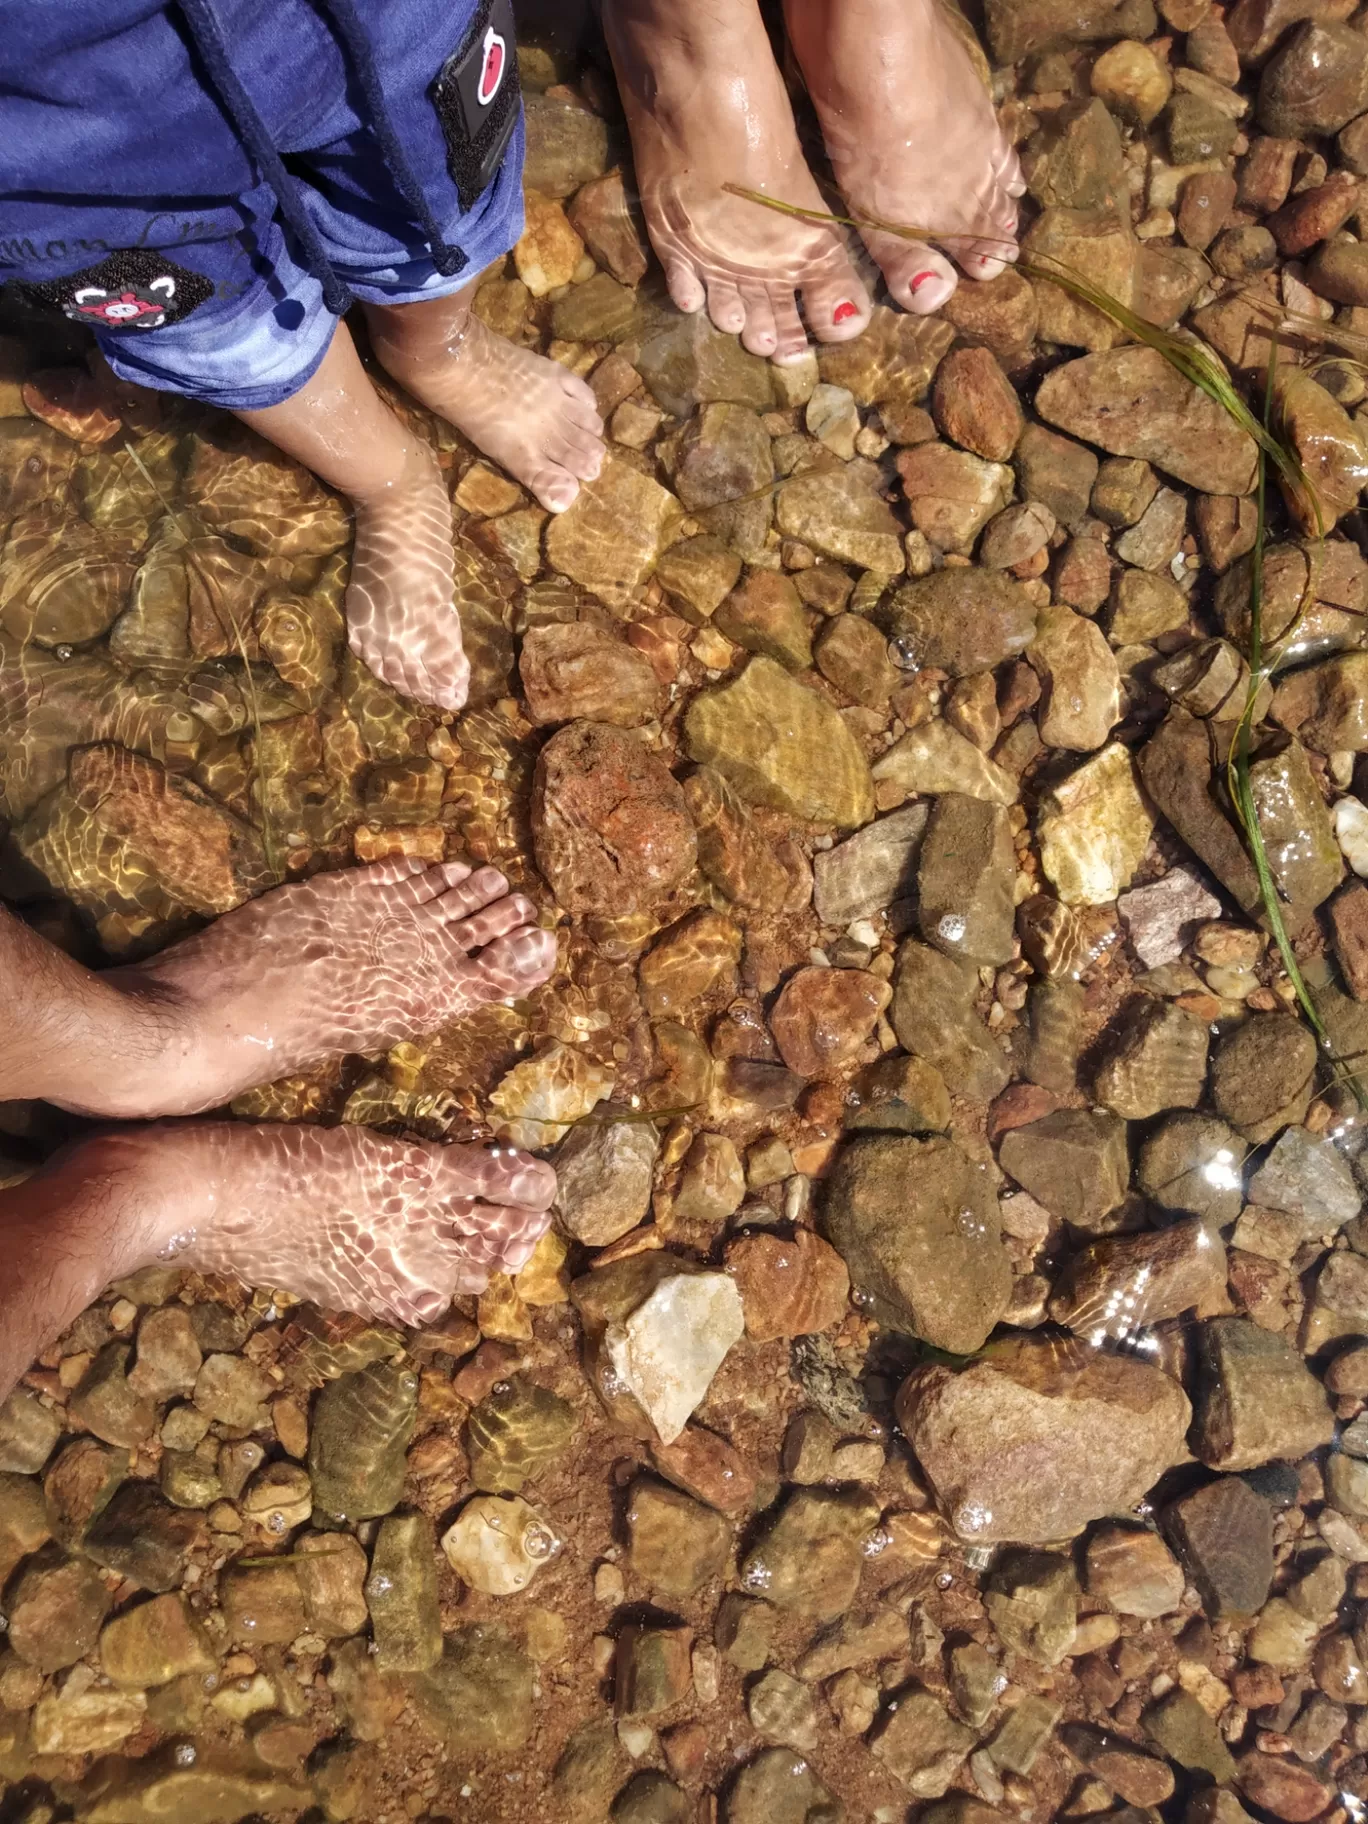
(611, 537)
(537, 1101)
(780, 744)
(502, 1313)
(549, 252)
(1094, 828)
(545, 1279)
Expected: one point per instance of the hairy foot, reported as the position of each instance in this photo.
(912, 136)
(354, 961)
(538, 421)
(706, 107)
(400, 603)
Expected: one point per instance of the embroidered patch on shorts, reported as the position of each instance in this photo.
(477, 99)
(133, 289)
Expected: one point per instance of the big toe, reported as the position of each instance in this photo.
(512, 964)
(554, 487)
(502, 1175)
(920, 279)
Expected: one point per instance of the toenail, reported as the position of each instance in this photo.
(844, 312)
(922, 277)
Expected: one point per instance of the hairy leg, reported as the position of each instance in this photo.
(340, 1216)
(351, 961)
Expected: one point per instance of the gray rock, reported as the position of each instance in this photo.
(143, 1537)
(1223, 1532)
(778, 1787)
(965, 879)
(934, 1016)
(28, 1431)
(604, 1172)
(1194, 1162)
(362, 1426)
(1074, 1162)
(961, 621)
(1262, 1074)
(478, 1697)
(1308, 1177)
(1159, 918)
(917, 1224)
(1257, 1400)
(872, 871)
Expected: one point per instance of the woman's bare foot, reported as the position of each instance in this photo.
(912, 136)
(706, 107)
(539, 422)
(338, 1215)
(348, 962)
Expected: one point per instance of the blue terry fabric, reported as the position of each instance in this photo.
(111, 138)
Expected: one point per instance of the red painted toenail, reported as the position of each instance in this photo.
(844, 312)
(922, 277)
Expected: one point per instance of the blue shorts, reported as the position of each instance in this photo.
(128, 201)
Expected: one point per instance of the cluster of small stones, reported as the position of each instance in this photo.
(862, 732)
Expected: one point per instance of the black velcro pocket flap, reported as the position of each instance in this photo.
(134, 289)
(477, 98)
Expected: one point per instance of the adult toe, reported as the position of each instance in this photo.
(920, 279)
(513, 965)
(726, 307)
(759, 334)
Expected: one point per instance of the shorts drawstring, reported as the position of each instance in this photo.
(237, 104)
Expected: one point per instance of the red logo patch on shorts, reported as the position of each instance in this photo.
(134, 289)
(492, 70)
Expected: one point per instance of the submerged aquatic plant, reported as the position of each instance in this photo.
(1197, 364)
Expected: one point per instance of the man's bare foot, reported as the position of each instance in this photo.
(342, 1216)
(706, 107)
(401, 616)
(912, 136)
(347, 962)
(337, 1215)
(539, 422)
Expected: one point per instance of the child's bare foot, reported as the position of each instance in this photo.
(706, 107)
(912, 137)
(539, 422)
(401, 615)
(340, 1216)
(348, 962)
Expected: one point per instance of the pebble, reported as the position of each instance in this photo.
(823, 1018)
(1093, 828)
(788, 1288)
(498, 1543)
(676, 1545)
(1257, 1401)
(917, 1224)
(1133, 1572)
(1223, 1532)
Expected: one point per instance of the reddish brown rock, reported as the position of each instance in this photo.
(788, 1288)
(572, 670)
(1083, 575)
(1032, 1442)
(1349, 924)
(1018, 1106)
(1133, 1572)
(1119, 1285)
(1204, 207)
(1266, 174)
(1314, 215)
(824, 1016)
(705, 1465)
(1279, 1784)
(610, 826)
(975, 404)
(606, 220)
(72, 402)
(1000, 314)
